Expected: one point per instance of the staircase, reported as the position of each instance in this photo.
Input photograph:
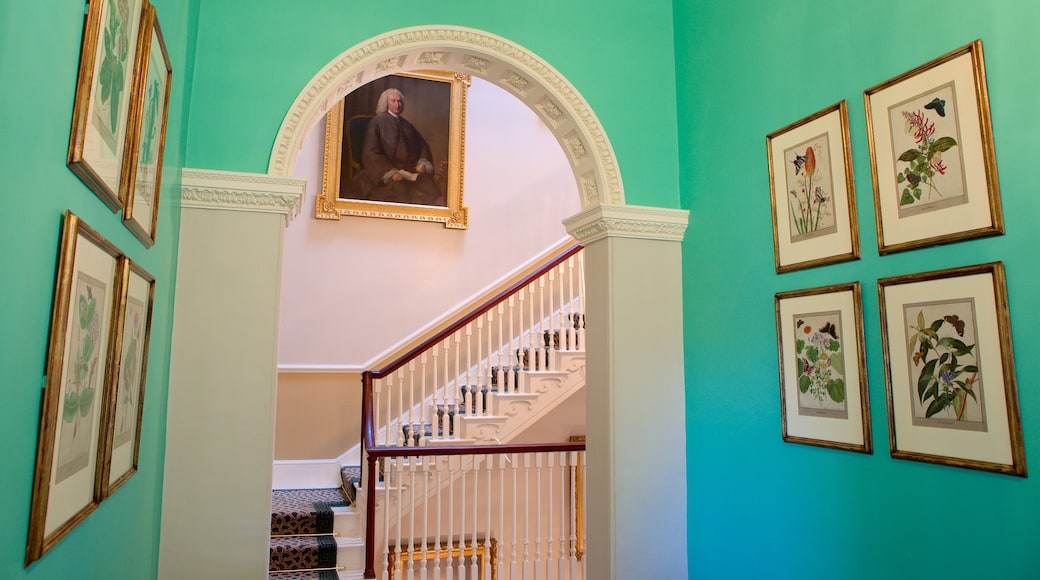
(489, 385)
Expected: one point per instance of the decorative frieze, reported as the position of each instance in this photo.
(627, 221)
(234, 191)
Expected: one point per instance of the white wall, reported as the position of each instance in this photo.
(353, 289)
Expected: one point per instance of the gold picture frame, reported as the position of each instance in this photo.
(812, 191)
(142, 170)
(79, 365)
(932, 157)
(435, 106)
(949, 369)
(824, 399)
(124, 394)
(98, 141)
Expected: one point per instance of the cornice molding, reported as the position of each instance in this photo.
(470, 51)
(236, 191)
(628, 221)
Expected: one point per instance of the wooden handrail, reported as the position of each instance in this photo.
(367, 420)
(480, 310)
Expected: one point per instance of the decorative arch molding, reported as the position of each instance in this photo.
(464, 50)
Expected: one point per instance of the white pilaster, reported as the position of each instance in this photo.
(220, 416)
(635, 395)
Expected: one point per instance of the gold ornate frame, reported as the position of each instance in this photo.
(149, 109)
(100, 115)
(329, 204)
(948, 98)
(79, 365)
(795, 247)
(798, 310)
(916, 372)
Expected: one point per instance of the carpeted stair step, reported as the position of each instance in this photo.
(302, 552)
(304, 575)
(350, 475)
(304, 511)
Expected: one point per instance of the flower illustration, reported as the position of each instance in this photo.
(924, 161)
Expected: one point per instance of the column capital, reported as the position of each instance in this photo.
(627, 221)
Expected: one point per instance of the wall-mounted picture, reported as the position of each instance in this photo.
(78, 367)
(100, 115)
(823, 377)
(124, 395)
(143, 168)
(949, 369)
(812, 191)
(931, 154)
(394, 149)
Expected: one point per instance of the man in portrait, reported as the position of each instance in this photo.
(397, 165)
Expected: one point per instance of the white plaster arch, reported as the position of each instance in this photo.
(465, 50)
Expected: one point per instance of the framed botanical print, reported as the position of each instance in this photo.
(931, 154)
(812, 191)
(149, 110)
(823, 377)
(949, 369)
(394, 149)
(78, 367)
(100, 115)
(124, 394)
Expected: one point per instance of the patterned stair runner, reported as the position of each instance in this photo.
(305, 575)
(301, 531)
(351, 476)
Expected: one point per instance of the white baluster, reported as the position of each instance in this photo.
(451, 513)
(573, 497)
(514, 570)
(464, 500)
(549, 547)
(488, 460)
(480, 384)
(389, 404)
(472, 401)
(572, 337)
(476, 506)
(426, 513)
(377, 396)
(412, 462)
(511, 376)
(527, 515)
(553, 332)
(542, 363)
(538, 564)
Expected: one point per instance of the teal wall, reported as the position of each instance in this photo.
(39, 58)
(253, 63)
(762, 508)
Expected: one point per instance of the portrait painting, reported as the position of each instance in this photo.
(394, 148)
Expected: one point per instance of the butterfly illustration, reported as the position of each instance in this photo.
(799, 161)
(957, 323)
(829, 329)
(938, 105)
(799, 323)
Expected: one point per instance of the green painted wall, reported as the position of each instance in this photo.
(39, 58)
(762, 508)
(254, 62)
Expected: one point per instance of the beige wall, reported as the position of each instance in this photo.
(318, 415)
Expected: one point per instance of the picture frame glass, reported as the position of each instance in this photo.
(932, 154)
(823, 381)
(101, 113)
(813, 191)
(950, 380)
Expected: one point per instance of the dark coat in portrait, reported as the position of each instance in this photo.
(392, 143)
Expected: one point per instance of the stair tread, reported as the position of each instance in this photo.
(302, 552)
(304, 511)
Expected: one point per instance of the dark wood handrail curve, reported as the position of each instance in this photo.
(367, 422)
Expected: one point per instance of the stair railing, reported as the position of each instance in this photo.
(418, 398)
(507, 512)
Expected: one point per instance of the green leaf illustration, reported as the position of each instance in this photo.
(836, 390)
(957, 346)
(70, 407)
(803, 383)
(940, 403)
(86, 400)
(909, 155)
(926, 378)
(944, 144)
(833, 346)
(838, 363)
